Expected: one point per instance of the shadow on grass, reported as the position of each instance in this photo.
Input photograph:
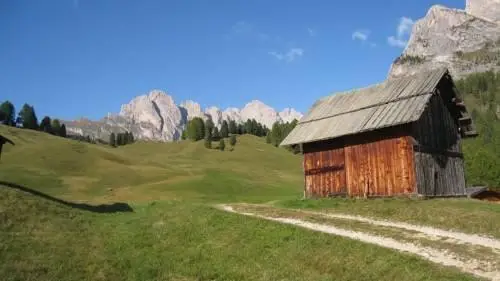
(103, 208)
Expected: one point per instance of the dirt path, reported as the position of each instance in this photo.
(459, 237)
(463, 251)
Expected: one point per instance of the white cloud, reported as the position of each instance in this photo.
(403, 32)
(311, 32)
(290, 55)
(404, 27)
(361, 35)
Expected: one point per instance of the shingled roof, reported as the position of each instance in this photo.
(393, 102)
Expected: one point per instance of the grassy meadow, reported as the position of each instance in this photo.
(58, 221)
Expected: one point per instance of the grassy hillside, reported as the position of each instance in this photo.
(77, 211)
(149, 171)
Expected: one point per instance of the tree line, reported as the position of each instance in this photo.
(279, 132)
(121, 139)
(197, 129)
(26, 118)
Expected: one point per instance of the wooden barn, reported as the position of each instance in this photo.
(399, 137)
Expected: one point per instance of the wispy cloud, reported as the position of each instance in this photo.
(242, 27)
(405, 25)
(288, 56)
(248, 30)
(311, 32)
(361, 35)
(403, 31)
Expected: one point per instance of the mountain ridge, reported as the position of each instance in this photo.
(465, 41)
(155, 116)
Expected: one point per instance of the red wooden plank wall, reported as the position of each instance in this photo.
(378, 167)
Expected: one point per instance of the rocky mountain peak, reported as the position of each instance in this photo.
(488, 9)
(464, 41)
(261, 112)
(191, 109)
(289, 114)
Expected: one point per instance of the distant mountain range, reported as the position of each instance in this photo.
(157, 117)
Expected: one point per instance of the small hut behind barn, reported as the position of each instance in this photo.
(399, 137)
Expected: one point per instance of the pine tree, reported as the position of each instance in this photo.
(254, 130)
(27, 117)
(119, 139)
(276, 134)
(248, 127)
(233, 128)
(222, 145)
(112, 140)
(209, 127)
(224, 130)
(241, 129)
(131, 137)
(62, 131)
(125, 138)
(232, 140)
(45, 125)
(7, 113)
(196, 129)
(268, 137)
(208, 141)
(184, 134)
(215, 134)
(56, 127)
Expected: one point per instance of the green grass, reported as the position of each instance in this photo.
(143, 172)
(174, 240)
(174, 232)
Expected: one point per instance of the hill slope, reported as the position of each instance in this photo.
(149, 171)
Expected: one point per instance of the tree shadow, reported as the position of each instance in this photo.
(103, 208)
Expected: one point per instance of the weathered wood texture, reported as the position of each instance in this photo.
(436, 128)
(324, 169)
(438, 159)
(380, 168)
(438, 175)
(371, 164)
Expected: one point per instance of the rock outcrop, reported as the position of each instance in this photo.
(488, 9)
(155, 116)
(289, 114)
(233, 114)
(261, 112)
(158, 112)
(464, 41)
(190, 109)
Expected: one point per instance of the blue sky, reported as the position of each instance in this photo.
(74, 58)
